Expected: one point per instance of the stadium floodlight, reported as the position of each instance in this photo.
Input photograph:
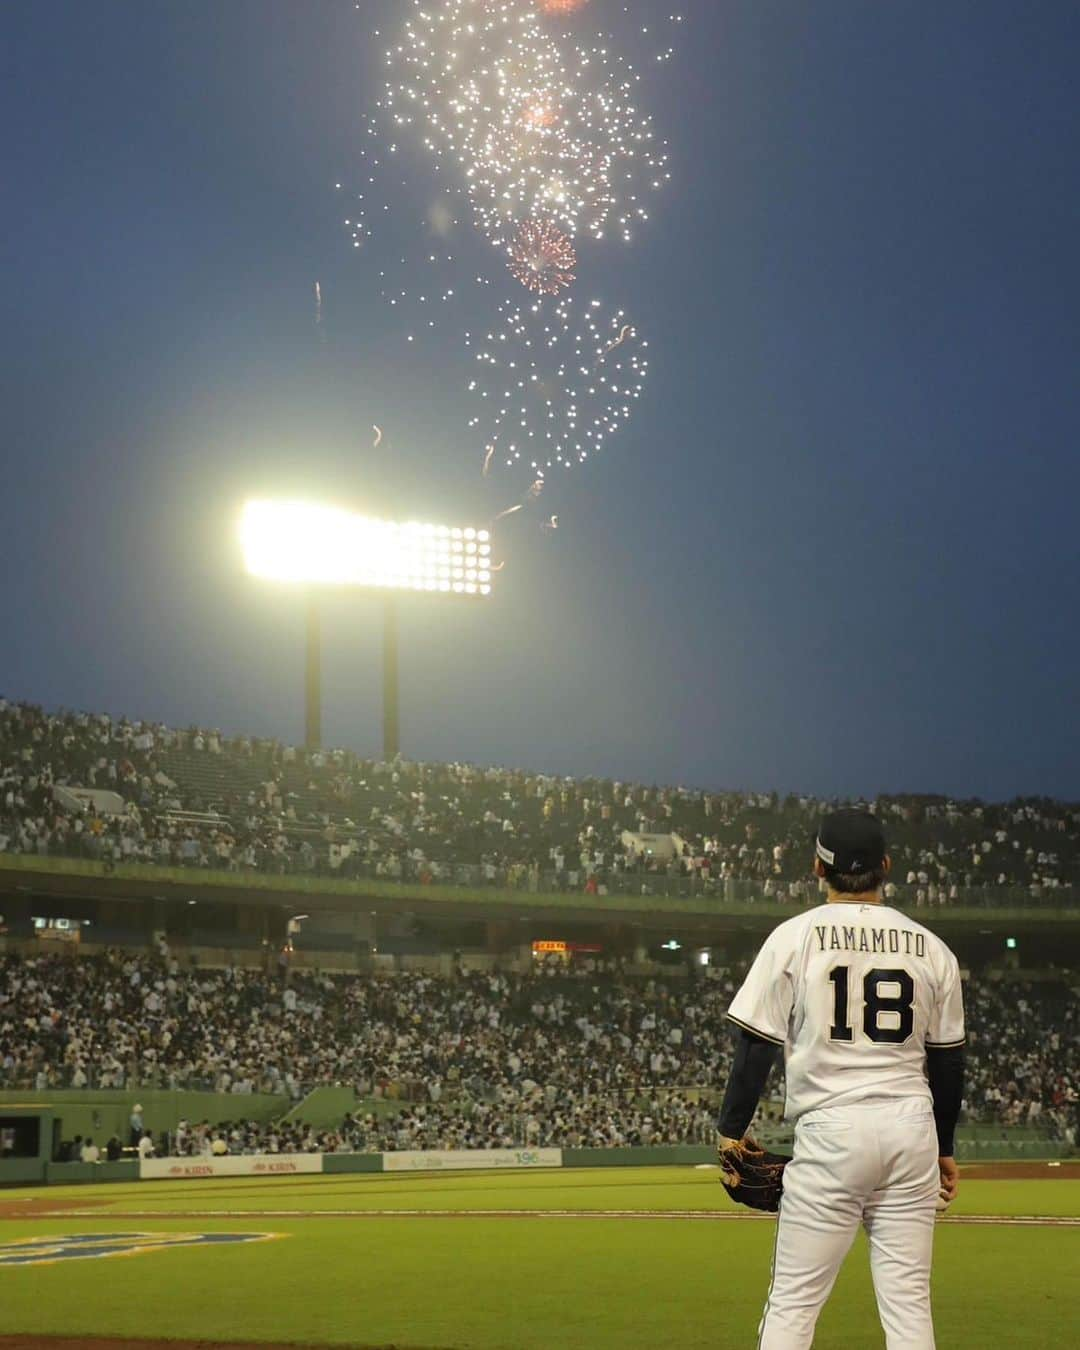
(324, 546)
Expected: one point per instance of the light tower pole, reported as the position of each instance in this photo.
(391, 727)
(320, 546)
(313, 674)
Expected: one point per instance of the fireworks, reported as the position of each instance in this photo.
(497, 129)
(539, 116)
(556, 384)
(419, 250)
(560, 6)
(535, 126)
(542, 258)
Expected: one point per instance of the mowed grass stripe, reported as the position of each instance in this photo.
(504, 1285)
(658, 1188)
(648, 1190)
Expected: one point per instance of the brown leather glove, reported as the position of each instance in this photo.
(750, 1175)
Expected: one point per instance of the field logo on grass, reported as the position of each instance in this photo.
(46, 1251)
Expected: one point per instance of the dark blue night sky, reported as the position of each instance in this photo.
(836, 551)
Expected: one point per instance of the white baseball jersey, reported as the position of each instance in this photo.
(854, 992)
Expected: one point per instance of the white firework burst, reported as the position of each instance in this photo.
(554, 382)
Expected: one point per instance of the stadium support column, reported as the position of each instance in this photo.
(391, 728)
(313, 677)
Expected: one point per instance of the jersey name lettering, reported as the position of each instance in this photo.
(845, 938)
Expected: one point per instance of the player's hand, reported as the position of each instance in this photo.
(950, 1179)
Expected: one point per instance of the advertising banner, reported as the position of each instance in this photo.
(254, 1165)
(459, 1159)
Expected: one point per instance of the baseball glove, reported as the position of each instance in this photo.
(750, 1175)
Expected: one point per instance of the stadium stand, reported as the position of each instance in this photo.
(194, 798)
(476, 1059)
(557, 1056)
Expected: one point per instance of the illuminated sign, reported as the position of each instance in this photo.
(556, 948)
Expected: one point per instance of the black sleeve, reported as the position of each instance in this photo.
(945, 1071)
(754, 1057)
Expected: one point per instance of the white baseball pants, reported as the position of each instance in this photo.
(873, 1163)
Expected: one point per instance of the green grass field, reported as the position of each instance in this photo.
(604, 1258)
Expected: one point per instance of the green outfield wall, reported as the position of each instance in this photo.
(21, 1172)
(30, 1171)
(72, 1174)
(993, 1143)
(676, 1155)
(98, 1114)
(336, 1163)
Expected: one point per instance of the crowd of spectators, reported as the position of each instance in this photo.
(124, 1020)
(196, 798)
(472, 1060)
(1023, 1059)
(536, 1119)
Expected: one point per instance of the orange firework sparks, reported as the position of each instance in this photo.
(539, 116)
(560, 6)
(542, 257)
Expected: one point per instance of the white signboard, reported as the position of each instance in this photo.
(254, 1165)
(458, 1159)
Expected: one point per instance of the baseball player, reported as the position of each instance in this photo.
(867, 1005)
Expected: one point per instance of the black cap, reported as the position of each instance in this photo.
(851, 841)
